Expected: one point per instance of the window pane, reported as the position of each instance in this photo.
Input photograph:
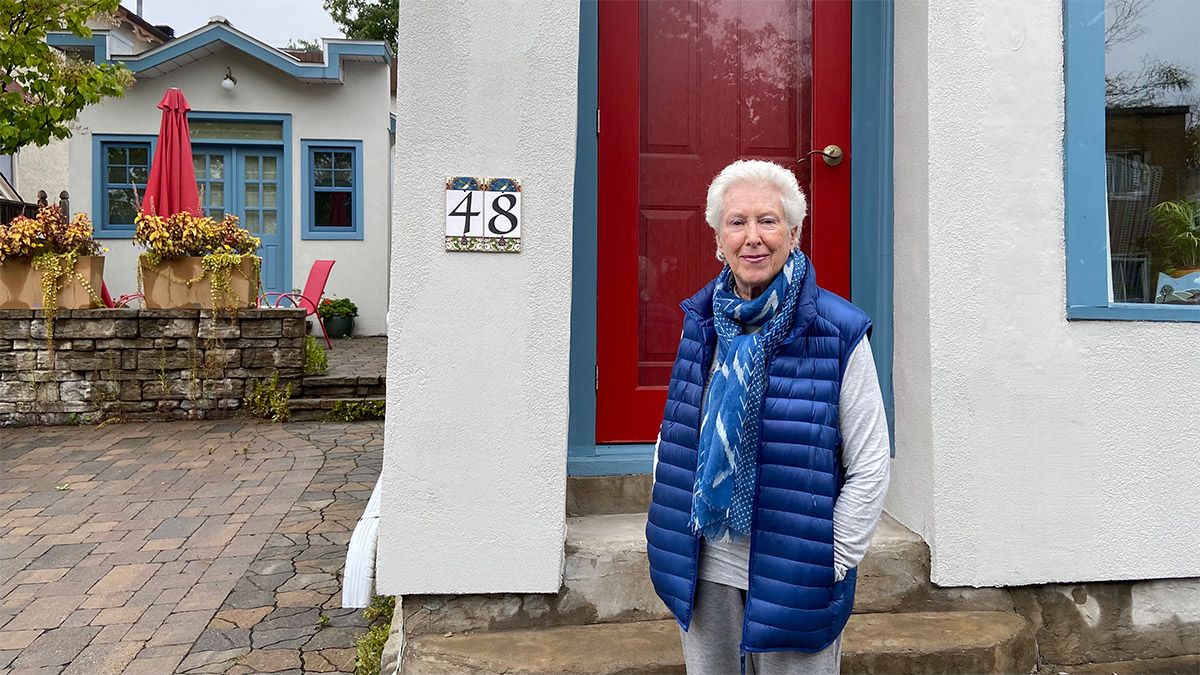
(216, 167)
(269, 197)
(238, 131)
(252, 198)
(342, 179)
(333, 209)
(322, 160)
(269, 226)
(121, 208)
(250, 222)
(1152, 139)
(251, 168)
(200, 166)
(118, 175)
(139, 175)
(139, 155)
(341, 160)
(116, 154)
(268, 168)
(200, 185)
(323, 178)
(216, 214)
(218, 194)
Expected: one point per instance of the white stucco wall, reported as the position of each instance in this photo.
(1030, 449)
(475, 464)
(357, 109)
(43, 168)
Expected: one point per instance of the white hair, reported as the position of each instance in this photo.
(760, 173)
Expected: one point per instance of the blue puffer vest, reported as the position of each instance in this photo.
(792, 602)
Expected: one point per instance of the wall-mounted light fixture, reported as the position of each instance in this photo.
(230, 81)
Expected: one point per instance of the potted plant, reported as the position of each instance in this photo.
(1174, 246)
(49, 262)
(338, 316)
(192, 261)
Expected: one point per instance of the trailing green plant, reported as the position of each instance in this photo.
(353, 412)
(52, 243)
(1174, 243)
(316, 361)
(337, 307)
(223, 246)
(268, 401)
(370, 646)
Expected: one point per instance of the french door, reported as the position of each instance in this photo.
(685, 88)
(246, 182)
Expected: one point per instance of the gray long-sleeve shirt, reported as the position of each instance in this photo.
(865, 459)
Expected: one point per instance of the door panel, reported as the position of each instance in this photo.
(246, 183)
(209, 166)
(259, 199)
(709, 81)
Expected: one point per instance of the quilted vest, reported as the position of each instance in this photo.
(792, 602)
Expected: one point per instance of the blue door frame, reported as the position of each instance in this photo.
(243, 189)
(870, 228)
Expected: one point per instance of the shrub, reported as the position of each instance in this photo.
(353, 412)
(316, 361)
(268, 402)
(370, 645)
(337, 307)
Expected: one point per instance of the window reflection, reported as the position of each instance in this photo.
(1152, 134)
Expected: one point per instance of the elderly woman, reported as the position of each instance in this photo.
(772, 461)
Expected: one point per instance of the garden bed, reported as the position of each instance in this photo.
(141, 364)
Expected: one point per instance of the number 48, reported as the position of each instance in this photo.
(479, 213)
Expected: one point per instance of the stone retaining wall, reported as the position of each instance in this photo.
(142, 363)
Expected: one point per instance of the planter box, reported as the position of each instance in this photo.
(21, 285)
(166, 288)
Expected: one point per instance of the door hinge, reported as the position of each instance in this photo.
(597, 378)
(597, 121)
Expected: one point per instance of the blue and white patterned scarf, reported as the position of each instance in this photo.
(726, 469)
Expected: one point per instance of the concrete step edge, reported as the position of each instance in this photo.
(942, 642)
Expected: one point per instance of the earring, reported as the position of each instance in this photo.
(720, 255)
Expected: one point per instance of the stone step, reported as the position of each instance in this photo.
(334, 386)
(932, 642)
(305, 409)
(606, 580)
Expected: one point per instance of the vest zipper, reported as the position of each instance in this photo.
(706, 356)
(754, 518)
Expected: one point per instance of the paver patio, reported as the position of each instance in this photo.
(197, 547)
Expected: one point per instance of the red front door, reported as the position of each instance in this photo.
(685, 88)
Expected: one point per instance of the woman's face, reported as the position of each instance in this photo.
(754, 236)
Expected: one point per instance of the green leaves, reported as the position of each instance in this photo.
(48, 87)
(366, 19)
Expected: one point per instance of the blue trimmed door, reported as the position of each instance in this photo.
(247, 183)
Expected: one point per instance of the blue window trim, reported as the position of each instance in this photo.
(870, 223)
(1086, 204)
(100, 178)
(310, 231)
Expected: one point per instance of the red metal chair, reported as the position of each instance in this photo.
(314, 289)
(122, 301)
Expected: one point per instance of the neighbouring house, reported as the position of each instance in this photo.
(1045, 435)
(297, 144)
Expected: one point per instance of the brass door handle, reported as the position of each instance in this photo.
(832, 155)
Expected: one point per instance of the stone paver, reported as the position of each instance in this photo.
(189, 547)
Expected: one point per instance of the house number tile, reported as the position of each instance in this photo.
(483, 214)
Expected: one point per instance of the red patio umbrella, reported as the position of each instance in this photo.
(172, 185)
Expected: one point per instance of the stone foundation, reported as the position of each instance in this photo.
(142, 363)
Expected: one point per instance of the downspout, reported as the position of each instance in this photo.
(358, 579)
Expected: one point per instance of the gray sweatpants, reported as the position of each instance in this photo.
(710, 645)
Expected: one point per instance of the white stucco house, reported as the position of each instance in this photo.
(1044, 423)
(297, 144)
